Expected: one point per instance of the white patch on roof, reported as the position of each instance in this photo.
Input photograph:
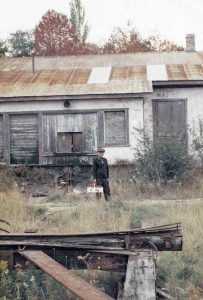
(156, 72)
(100, 75)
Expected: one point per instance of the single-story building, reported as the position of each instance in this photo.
(56, 109)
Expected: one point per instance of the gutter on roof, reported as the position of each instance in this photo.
(178, 83)
(71, 97)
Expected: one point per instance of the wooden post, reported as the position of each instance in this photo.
(140, 282)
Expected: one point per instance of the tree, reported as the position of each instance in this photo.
(125, 41)
(55, 36)
(158, 44)
(21, 43)
(3, 48)
(77, 19)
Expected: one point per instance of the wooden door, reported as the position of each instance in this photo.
(169, 118)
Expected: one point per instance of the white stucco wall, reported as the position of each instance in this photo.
(194, 108)
(140, 113)
(194, 98)
(113, 154)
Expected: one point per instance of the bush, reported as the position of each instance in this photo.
(164, 159)
(197, 139)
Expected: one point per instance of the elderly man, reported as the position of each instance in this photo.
(101, 173)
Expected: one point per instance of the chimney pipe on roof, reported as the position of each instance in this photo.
(190, 42)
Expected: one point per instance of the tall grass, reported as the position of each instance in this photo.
(181, 271)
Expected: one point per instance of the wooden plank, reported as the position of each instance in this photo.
(6, 136)
(24, 139)
(65, 142)
(1, 137)
(78, 142)
(40, 131)
(164, 294)
(90, 132)
(67, 278)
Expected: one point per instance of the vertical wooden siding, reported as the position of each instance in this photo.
(24, 139)
(84, 123)
(1, 137)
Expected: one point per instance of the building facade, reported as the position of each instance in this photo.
(61, 111)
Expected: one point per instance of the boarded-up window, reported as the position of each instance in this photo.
(115, 127)
(85, 123)
(1, 137)
(70, 142)
(169, 117)
(24, 139)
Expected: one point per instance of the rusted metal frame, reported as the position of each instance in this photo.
(67, 278)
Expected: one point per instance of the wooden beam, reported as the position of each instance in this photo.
(6, 138)
(40, 137)
(166, 238)
(140, 283)
(67, 278)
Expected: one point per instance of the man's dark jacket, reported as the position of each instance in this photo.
(100, 168)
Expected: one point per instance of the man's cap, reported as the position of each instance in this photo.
(102, 150)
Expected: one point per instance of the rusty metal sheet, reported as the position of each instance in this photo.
(129, 73)
(67, 278)
(42, 87)
(194, 72)
(9, 77)
(70, 75)
(61, 77)
(80, 76)
(176, 72)
(102, 60)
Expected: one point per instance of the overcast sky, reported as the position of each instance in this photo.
(171, 19)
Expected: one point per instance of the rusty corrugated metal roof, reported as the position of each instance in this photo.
(80, 75)
(102, 60)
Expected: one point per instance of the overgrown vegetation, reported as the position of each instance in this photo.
(162, 159)
(150, 194)
(178, 272)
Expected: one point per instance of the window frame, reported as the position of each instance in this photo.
(70, 152)
(126, 120)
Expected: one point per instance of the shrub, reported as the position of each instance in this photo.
(161, 160)
(197, 139)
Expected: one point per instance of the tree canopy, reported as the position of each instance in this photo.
(125, 41)
(158, 44)
(54, 35)
(21, 43)
(77, 19)
(3, 48)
